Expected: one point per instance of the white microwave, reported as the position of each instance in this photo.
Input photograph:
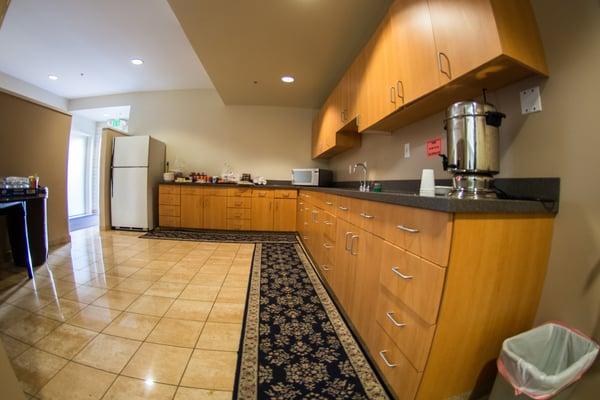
(311, 177)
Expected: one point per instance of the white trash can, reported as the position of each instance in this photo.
(542, 363)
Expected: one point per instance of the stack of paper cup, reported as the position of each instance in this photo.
(427, 183)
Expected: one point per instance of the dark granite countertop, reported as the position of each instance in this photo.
(410, 198)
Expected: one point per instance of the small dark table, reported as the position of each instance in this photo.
(27, 227)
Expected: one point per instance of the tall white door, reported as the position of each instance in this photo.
(78, 174)
(129, 198)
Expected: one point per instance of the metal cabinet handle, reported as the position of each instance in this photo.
(352, 245)
(393, 95)
(343, 208)
(407, 229)
(305, 237)
(382, 355)
(301, 203)
(400, 274)
(329, 203)
(348, 234)
(327, 246)
(449, 72)
(325, 267)
(328, 222)
(367, 216)
(390, 316)
(400, 89)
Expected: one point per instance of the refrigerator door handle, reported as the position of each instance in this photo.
(112, 159)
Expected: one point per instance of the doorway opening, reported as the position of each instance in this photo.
(83, 175)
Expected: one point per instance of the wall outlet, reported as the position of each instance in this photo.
(406, 150)
(531, 101)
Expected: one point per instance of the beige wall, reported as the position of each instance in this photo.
(563, 141)
(203, 133)
(35, 139)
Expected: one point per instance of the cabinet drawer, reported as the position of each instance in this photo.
(169, 199)
(425, 233)
(238, 213)
(239, 202)
(330, 203)
(343, 208)
(400, 375)
(168, 189)
(412, 335)
(372, 216)
(285, 194)
(417, 283)
(215, 191)
(238, 224)
(169, 211)
(168, 221)
(192, 191)
(266, 193)
(329, 226)
(239, 192)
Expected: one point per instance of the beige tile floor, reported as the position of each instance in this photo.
(112, 316)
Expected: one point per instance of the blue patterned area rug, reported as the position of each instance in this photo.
(295, 344)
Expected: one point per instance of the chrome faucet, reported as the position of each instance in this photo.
(364, 185)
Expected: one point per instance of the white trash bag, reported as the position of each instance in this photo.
(541, 362)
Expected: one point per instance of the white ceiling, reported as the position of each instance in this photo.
(104, 113)
(98, 38)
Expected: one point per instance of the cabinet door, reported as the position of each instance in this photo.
(215, 212)
(262, 214)
(414, 63)
(191, 211)
(343, 277)
(465, 35)
(381, 93)
(284, 217)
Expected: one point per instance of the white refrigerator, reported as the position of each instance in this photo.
(136, 170)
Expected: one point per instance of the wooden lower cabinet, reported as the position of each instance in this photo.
(431, 328)
(284, 215)
(192, 211)
(215, 212)
(262, 214)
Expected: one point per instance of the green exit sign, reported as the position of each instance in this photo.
(115, 123)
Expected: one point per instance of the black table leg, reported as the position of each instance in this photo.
(18, 235)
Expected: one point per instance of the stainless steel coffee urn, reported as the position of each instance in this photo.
(472, 148)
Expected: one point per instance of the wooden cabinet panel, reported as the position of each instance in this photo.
(239, 224)
(239, 202)
(345, 272)
(191, 190)
(285, 194)
(168, 211)
(465, 35)
(239, 192)
(263, 193)
(329, 226)
(410, 333)
(191, 211)
(414, 67)
(215, 212)
(168, 221)
(414, 281)
(168, 199)
(169, 189)
(400, 375)
(262, 214)
(284, 215)
(238, 213)
(215, 191)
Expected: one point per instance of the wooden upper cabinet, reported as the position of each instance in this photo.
(465, 35)
(380, 97)
(414, 66)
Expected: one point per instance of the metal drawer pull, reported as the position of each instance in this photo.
(305, 237)
(407, 229)
(400, 274)
(327, 246)
(382, 355)
(343, 208)
(390, 315)
(352, 245)
(328, 222)
(348, 234)
(325, 267)
(329, 203)
(367, 216)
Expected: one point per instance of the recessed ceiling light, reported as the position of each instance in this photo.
(287, 79)
(53, 77)
(137, 61)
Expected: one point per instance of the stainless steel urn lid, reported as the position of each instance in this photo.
(469, 109)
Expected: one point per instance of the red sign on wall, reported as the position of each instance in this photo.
(434, 147)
